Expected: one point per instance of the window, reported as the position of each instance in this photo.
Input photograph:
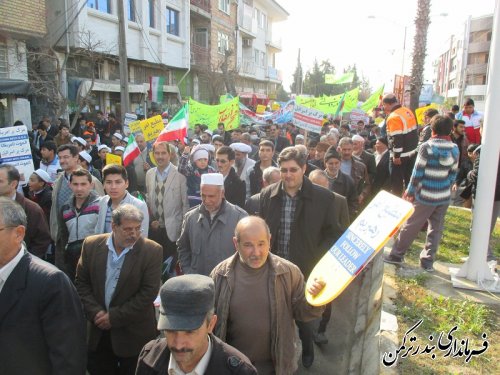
(262, 59)
(256, 54)
(262, 20)
(102, 5)
(225, 6)
(4, 68)
(172, 21)
(131, 10)
(222, 43)
(201, 37)
(151, 13)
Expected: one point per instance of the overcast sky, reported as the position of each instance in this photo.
(368, 33)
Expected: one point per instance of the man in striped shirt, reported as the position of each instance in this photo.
(429, 190)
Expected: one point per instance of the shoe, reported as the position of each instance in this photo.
(307, 359)
(392, 259)
(427, 268)
(320, 338)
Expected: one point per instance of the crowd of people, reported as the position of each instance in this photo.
(243, 215)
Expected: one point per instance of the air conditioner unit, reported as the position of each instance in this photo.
(247, 43)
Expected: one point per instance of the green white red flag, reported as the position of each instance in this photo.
(156, 89)
(176, 128)
(131, 151)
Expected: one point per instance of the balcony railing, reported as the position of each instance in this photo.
(478, 47)
(202, 4)
(200, 56)
(247, 66)
(272, 73)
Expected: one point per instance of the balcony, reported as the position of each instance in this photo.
(201, 7)
(246, 23)
(247, 66)
(477, 68)
(479, 47)
(200, 56)
(272, 73)
(274, 45)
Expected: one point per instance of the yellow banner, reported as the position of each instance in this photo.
(419, 112)
(276, 106)
(135, 126)
(260, 109)
(152, 127)
(211, 115)
(113, 159)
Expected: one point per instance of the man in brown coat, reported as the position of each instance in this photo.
(118, 278)
(37, 236)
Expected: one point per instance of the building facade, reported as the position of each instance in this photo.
(461, 70)
(233, 49)
(157, 35)
(20, 21)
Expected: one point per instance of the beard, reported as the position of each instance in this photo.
(239, 163)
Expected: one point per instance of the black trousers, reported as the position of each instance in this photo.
(306, 336)
(104, 361)
(159, 236)
(71, 256)
(400, 175)
(325, 318)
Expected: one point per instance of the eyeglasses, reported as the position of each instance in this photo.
(132, 230)
(291, 170)
(222, 161)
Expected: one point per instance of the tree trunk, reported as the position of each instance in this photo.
(422, 22)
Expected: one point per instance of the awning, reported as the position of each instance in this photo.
(114, 86)
(14, 87)
(109, 86)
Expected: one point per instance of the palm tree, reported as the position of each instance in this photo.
(422, 22)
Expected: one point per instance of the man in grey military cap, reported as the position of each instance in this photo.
(187, 320)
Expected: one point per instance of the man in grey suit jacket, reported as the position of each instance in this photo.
(118, 278)
(208, 229)
(42, 328)
(167, 199)
(115, 179)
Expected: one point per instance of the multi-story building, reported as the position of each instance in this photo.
(258, 78)
(233, 49)
(157, 42)
(213, 48)
(20, 21)
(461, 70)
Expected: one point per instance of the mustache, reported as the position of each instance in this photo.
(183, 350)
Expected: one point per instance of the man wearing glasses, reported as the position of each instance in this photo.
(117, 278)
(301, 218)
(234, 187)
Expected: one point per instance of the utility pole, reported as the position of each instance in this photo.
(122, 52)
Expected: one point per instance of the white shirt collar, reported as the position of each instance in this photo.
(6, 270)
(111, 247)
(201, 367)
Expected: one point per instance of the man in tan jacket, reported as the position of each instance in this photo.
(255, 283)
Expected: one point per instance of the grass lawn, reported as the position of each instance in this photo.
(441, 314)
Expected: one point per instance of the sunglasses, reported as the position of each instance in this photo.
(291, 170)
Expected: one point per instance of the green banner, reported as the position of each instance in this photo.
(329, 79)
(345, 78)
(351, 100)
(330, 104)
(211, 115)
(373, 101)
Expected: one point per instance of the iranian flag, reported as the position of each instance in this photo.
(131, 151)
(156, 89)
(176, 128)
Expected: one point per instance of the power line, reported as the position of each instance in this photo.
(71, 23)
(145, 37)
